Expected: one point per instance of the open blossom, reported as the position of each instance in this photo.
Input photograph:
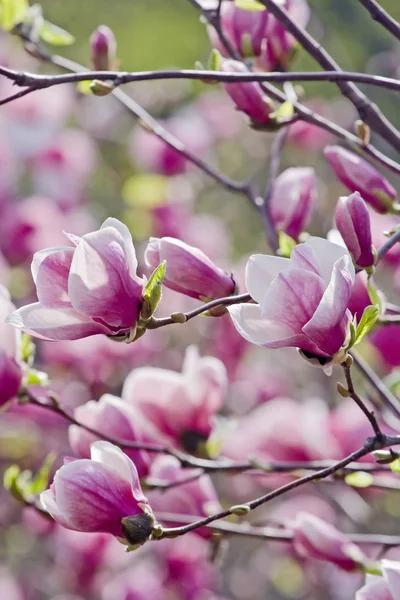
(101, 494)
(358, 175)
(10, 367)
(180, 407)
(189, 271)
(259, 34)
(248, 96)
(302, 301)
(354, 224)
(386, 587)
(85, 290)
(113, 417)
(318, 540)
(293, 200)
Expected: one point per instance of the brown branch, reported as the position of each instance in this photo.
(380, 15)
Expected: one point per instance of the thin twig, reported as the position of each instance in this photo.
(380, 15)
(369, 445)
(388, 245)
(368, 112)
(351, 391)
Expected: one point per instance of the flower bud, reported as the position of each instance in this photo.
(315, 539)
(354, 224)
(259, 34)
(189, 271)
(248, 96)
(103, 48)
(358, 175)
(293, 200)
(101, 494)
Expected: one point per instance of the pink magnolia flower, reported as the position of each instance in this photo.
(180, 407)
(318, 540)
(197, 497)
(293, 200)
(103, 47)
(302, 301)
(259, 34)
(100, 495)
(113, 417)
(248, 96)
(354, 225)
(189, 271)
(386, 588)
(90, 289)
(10, 367)
(358, 175)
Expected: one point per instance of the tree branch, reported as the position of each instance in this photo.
(380, 15)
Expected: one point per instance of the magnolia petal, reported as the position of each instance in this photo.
(39, 257)
(391, 574)
(328, 253)
(54, 324)
(100, 284)
(48, 502)
(375, 590)
(263, 332)
(128, 244)
(261, 270)
(51, 277)
(331, 309)
(113, 458)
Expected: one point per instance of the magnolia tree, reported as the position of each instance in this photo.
(174, 379)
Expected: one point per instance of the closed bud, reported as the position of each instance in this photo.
(248, 96)
(358, 175)
(189, 271)
(354, 225)
(137, 529)
(293, 200)
(103, 48)
(363, 131)
(240, 509)
(344, 392)
(101, 88)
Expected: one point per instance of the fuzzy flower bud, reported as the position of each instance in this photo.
(101, 494)
(358, 175)
(354, 224)
(103, 47)
(247, 96)
(293, 200)
(189, 271)
(315, 539)
(85, 290)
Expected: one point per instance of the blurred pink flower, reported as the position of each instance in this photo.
(112, 417)
(90, 289)
(100, 495)
(315, 539)
(358, 175)
(302, 300)
(180, 407)
(293, 200)
(10, 364)
(198, 498)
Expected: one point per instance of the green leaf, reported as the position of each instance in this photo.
(12, 13)
(284, 112)
(286, 244)
(55, 36)
(360, 479)
(374, 295)
(368, 320)
(83, 87)
(10, 481)
(251, 5)
(40, 482)
(153, 291)
(214, 60)
(395, 466)
(27, 350)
